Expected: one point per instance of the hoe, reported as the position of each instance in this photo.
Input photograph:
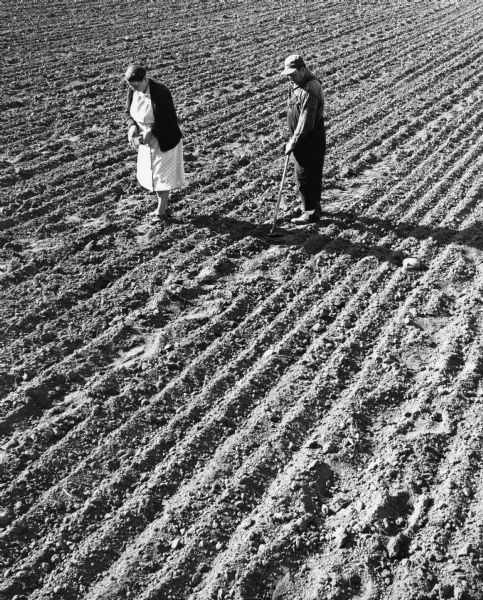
(272, 232)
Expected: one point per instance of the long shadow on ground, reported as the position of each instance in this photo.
(315, 237)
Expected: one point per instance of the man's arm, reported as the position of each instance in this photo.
(307, 118)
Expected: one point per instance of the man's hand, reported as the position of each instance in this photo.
(289, 147)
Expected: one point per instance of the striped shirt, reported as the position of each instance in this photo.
(305, 110)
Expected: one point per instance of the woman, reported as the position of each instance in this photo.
(154, 131)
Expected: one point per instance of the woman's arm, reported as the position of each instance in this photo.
(127, 115)
(133, 129)
(163, 108)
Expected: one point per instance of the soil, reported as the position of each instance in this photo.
(200, 411)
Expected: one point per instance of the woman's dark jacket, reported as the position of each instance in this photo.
(165, 128)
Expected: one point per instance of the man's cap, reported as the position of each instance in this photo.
(292, 63)
(135, 72)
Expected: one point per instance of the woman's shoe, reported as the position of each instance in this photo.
(158, 219)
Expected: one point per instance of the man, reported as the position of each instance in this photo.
(305, 116)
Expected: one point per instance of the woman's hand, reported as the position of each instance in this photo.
(147, 137)
(132, 136)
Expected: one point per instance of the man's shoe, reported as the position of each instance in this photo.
(287, 216)
(305, 219)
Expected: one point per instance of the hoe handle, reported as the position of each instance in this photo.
(277, 206)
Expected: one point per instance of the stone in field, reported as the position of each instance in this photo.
(398, 546)
(411, 264)
(5, 518)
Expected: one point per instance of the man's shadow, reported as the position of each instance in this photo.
(315, 237)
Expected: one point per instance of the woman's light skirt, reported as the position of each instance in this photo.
(160, 171)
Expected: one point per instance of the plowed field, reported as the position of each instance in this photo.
(198, 411)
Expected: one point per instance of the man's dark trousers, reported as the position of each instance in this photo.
(309, 164)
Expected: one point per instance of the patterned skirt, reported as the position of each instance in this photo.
(159, 171)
